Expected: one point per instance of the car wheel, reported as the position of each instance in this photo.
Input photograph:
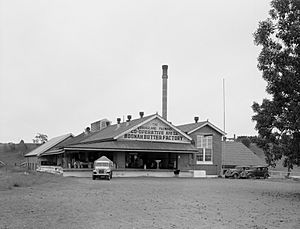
(236, 176)
(94, 177)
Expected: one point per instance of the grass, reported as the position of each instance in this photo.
(14, 177)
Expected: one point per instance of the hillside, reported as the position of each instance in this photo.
(13, 154)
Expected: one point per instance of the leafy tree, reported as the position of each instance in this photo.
(245, 140)
(278, 118)
(40, 138)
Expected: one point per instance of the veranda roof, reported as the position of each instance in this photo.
(48, 145)
(140, 146)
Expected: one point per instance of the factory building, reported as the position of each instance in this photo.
(148, 144)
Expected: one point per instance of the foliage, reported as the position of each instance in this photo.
(245, 140)
(278, 119)
(40, 138)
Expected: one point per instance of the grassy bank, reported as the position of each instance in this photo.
(14, 177)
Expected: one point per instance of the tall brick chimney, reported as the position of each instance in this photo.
(165, 91)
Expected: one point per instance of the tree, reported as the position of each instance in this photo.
(278, 118)
(40, 138)
(245, 140)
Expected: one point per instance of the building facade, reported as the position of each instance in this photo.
(146, 143)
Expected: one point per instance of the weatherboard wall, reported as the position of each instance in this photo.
(216, 166)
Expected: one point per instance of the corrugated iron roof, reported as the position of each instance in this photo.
(78, 138)
(114, 130)
(52, 152)
(236, 153)
(191, 127)
(48, 145)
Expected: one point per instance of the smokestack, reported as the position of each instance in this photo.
(141, 114)
(196, 119)
(128, 119)
(164, 91)
(118, 123)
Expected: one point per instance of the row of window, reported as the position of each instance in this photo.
(205, 149)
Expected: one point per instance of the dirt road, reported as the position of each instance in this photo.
(152, 203)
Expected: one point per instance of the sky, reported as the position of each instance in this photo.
(67, 63)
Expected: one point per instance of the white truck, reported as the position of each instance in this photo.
(103, 168)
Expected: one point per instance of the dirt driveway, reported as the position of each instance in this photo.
(152, 203)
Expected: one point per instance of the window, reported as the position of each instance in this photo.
(205, 149)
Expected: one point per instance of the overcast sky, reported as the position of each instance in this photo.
(65, 64)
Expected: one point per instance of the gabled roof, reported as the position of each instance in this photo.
(48, 145)
(192, 127)
(59, 148)
(236, 153)
(78, 138)
(111, 131)
(115, 131)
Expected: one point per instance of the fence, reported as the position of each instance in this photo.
(50, 169)
(282, 174)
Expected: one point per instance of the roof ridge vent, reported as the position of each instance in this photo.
(118, 123)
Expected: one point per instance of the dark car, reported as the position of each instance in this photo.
(258, 172)
(237, 172)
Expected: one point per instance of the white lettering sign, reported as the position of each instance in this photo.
(155, 131)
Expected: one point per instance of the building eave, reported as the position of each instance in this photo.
(207, 123)
(150, 119)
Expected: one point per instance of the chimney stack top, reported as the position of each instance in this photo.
(141, 114)
(165, 71)
(128, 118)
(196, 119)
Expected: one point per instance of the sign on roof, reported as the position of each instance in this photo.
(155, 130)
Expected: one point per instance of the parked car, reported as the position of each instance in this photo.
(237, 172)
(258, 172)
(103, 168)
